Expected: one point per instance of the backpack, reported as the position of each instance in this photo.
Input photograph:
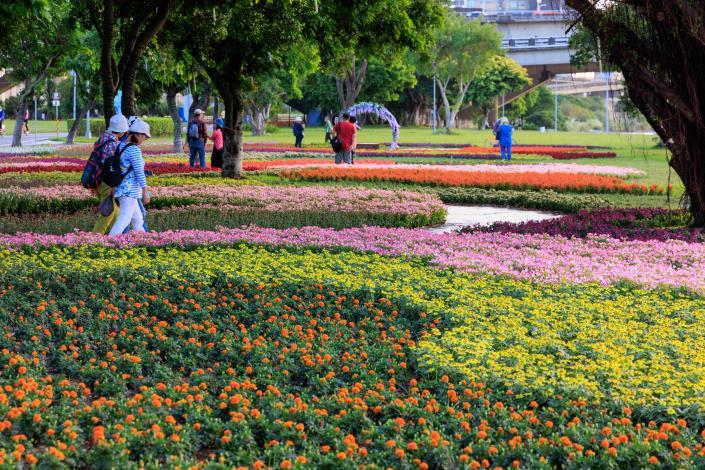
(91, 172)
(111, 173)
(193, 130)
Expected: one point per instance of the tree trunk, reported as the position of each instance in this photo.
(19, 120)
(200, 100)
(74, 127)
(216, 111)
(446, 106)
(128, 105)
(657, 45)
(106, 60)
(231, 94)
(171, 92)
(259, 126)
(349, 84)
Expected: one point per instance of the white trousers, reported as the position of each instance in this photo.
(129, 212)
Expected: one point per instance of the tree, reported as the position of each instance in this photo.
(84, 62)
(31, 48)
(382, 29)
(461, 49)
(659, 46)
(236, 40)
(126, 29)
(501, 75)
(269, 88)
(172, 68)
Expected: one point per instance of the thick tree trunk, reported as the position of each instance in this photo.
(106, 59)
(657, 45)
(19, 120)
(216, 111)
(128, 105)
(76, 122)
(233, 105)
(171, 92)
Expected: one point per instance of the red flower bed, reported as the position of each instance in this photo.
(66, 168)
(572, 155)
(434, 176)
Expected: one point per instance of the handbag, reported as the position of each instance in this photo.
(336, 144)
(106, 206)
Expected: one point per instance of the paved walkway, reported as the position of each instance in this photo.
(41, 138)
(463, 216)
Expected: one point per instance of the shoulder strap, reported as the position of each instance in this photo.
(119, 153)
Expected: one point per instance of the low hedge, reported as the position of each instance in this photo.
(159, 126)
(544, 200)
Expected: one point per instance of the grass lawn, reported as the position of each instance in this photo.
(36, 126)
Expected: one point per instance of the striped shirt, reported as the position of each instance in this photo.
(135, 180)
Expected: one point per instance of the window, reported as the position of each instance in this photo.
(521, 5)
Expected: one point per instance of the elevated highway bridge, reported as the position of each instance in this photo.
(535, 35)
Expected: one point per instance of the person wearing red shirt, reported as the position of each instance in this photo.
(347, 133)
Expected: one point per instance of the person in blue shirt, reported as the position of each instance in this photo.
(2, 121)
(134, 185)
(504, 135)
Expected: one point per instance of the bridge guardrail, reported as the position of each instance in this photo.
(535, 43)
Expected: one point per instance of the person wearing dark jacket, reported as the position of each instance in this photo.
(299, 131)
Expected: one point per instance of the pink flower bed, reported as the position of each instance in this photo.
(278, 198)
(538, 258)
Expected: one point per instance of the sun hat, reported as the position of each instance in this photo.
(219, 122)
(298, 119)
(140, 127)
(198, 112)
(118, 124)
(505, 120)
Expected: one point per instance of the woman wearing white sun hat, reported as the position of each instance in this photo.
(134, 185)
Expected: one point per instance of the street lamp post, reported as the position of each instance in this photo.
(88, 113)
(435, 110)
(73, 74)
(555, 104)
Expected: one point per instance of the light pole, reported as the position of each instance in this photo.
(555, 104)
(88, 113)
(73, 74)
(607, 102)
(435, 110)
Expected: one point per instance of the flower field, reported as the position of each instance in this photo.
(251, 362)
(471, 152)
(577, 182)
(305, 317)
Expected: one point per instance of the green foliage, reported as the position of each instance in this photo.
(40, 33)
(373, 29)
(158, 126)
(544, 200)
(179, 216)
(499, 76)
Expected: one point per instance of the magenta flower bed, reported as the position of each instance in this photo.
(540, 258)
(624, 224)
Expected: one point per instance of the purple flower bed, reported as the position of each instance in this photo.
(623, 224)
